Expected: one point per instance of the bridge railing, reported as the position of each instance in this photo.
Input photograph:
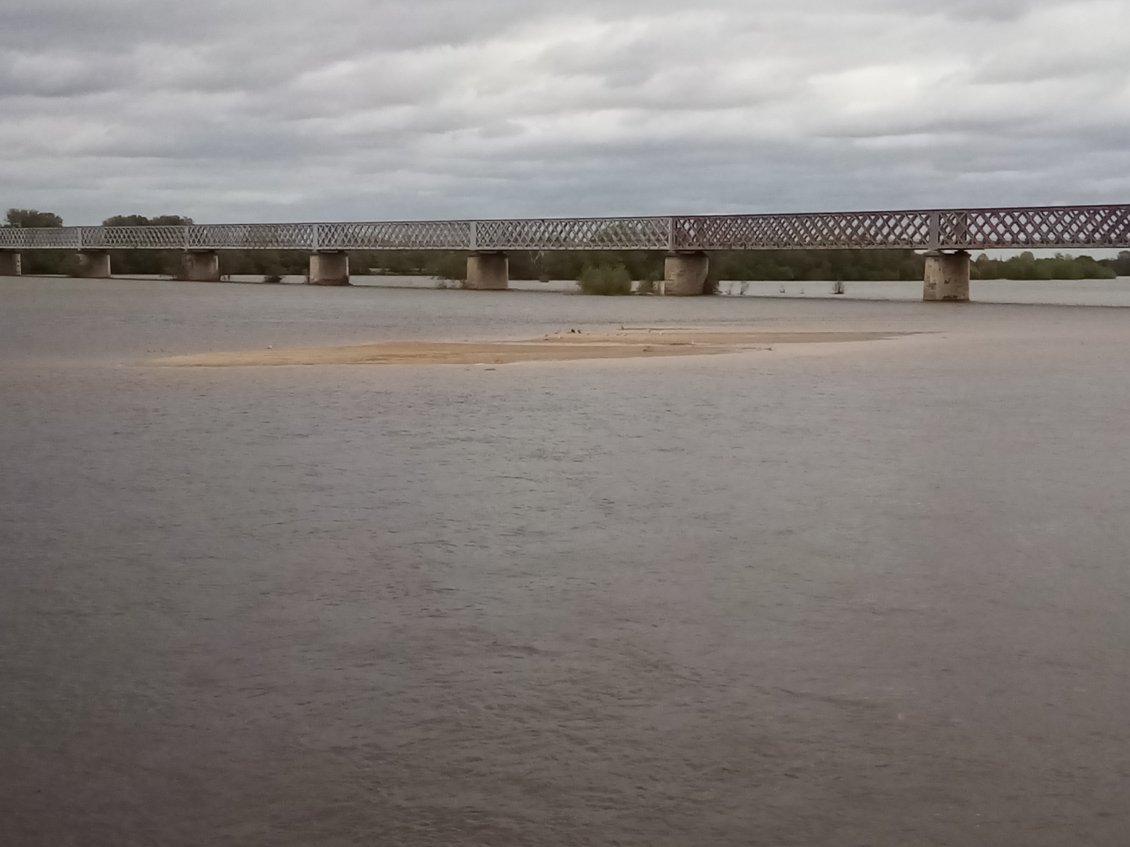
(133, 237)
(396, 235)
(829, 230)
(1034, 227)
(574, 234)
(250, 236)
(56, 238)
(1028, 227)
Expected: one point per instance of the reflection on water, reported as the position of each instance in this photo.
(870, 595)
(1089, 292)
(1093, 292)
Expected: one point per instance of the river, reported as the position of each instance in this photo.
(1086, 292)
(862, 594)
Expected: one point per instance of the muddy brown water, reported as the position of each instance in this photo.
(854, 594)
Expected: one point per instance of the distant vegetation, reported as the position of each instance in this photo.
(1061, 266)
(32, 218)
(605, 279)
(601, 272)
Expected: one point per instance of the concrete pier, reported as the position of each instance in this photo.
(11, 263)
(488, 272)
(947, 277)
(329, 268)
(93, 264)
(684, 274)
(201, 266)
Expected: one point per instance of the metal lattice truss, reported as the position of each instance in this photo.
(574, 234)
(818, 231)
(396, 235)
(953, 229)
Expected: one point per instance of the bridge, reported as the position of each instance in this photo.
(946, 236)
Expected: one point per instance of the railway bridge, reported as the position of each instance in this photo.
(946, 236)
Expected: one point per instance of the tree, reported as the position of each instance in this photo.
(126, 220)
(31, 218)
(605, 279)
(141, 220)
(1121, 265)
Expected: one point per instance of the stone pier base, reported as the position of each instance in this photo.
(488, 272)
(329, 268)
(947, 277)
(201, 266)
(11, 263)
(93, 264)
(684, 274)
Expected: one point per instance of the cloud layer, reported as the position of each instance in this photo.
(231, 110)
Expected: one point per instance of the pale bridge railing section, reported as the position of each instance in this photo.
(248, 236)
(57, 238)
(1030, 227)
(574, 234)
(395, 235)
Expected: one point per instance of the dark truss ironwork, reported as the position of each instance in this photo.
(938, 229)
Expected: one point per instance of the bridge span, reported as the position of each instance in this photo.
(945, 235)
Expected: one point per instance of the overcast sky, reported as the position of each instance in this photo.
(230, 110)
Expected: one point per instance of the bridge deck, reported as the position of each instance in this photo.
(982, 229)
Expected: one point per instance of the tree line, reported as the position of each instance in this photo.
(738, 265)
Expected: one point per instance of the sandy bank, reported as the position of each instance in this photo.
(625, 343)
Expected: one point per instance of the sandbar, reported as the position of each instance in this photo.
(641, 342)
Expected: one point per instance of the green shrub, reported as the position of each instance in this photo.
(605, 280)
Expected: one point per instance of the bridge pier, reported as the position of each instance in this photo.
(328, 267)
(488, 272)
(201, 266)
(93, 264)
(684, 274)
(947, 277)
(10, 263)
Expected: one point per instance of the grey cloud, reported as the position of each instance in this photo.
(230, 109)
